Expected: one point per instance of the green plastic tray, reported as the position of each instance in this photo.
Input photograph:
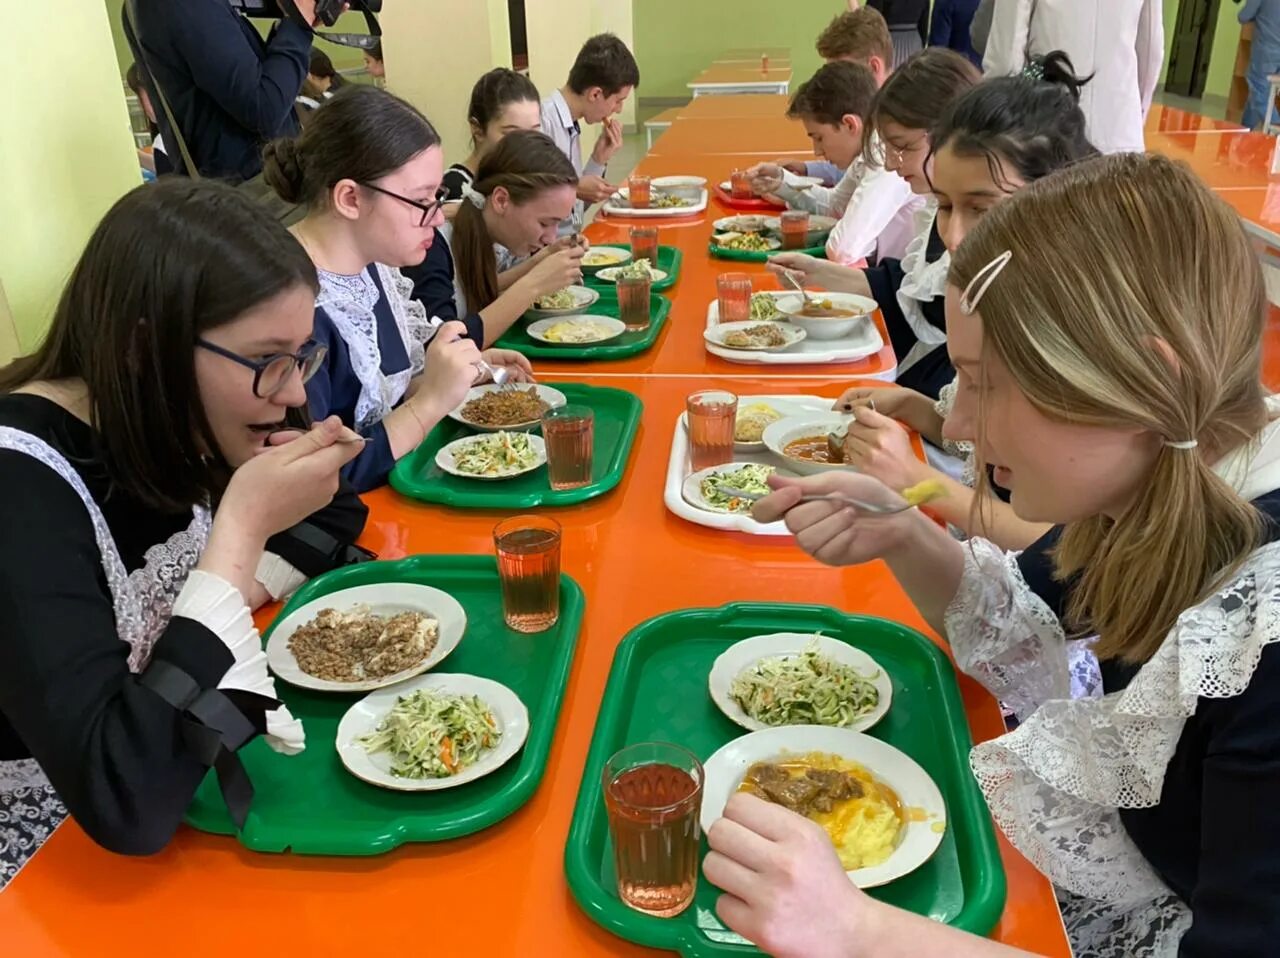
(628, 344)
(310, 804)
(657, 690)
(617, 419)
(669, 260)
(749, 256)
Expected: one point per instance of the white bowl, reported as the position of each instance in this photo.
(779, 434)
(363, 717)
(382, 598)
(744, 223)
(685, 187)
(921, 833)
(583, 299)
(445, 459)
(825, 329)
(610, 274)
(744, 655)
(623, 257)
(553, 397)
(820, 228)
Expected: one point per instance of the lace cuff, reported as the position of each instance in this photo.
(1003, 634)
(277, 576)
(219, 607)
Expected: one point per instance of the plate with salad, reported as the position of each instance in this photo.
(433, 732)
(497, 455)
(706, 489)
(792, 678)
(640, 268)
(563, 302)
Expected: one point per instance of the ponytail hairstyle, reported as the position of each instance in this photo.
(524, 163)
(362, 134)
(1104, 316)
(1030, 124)
(917, 93)
(492, 93)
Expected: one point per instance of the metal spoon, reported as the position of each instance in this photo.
(868, 507)
(810, 300)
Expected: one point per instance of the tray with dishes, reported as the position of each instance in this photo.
(669, 196)
(426, 717)
(598, 334)
(699, 496)
(853, 721)
(839, 329)
(487, 457)
(725, 197)
(662, 274)
(756, 237)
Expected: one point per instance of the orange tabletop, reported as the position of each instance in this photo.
(1168, 119)
(734, 136)
(1222, 159)
(1259, 209)
(501, 892)
(733, 75)
(742, 105)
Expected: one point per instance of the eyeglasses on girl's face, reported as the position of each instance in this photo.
(429, 210)
(272, 373)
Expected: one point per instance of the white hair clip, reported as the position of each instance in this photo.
(1186, 444)
(475, 199)
(970, 298)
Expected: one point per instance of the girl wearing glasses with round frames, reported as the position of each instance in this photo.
(908, 291)
(368, 168)
(150, 496)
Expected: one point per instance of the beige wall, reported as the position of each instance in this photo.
(68, 152)
(8, 332)
(434, 68)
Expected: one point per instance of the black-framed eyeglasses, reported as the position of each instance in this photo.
(428, 209)
(272, 373)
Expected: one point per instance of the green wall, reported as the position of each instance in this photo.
(677, 39)
(1226, 40)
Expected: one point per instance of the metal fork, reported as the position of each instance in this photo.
(868, 507)
(500, 375)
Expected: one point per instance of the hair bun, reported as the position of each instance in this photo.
(282, 169)
(1057, 69)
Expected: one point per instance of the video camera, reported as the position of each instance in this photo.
(327, 11)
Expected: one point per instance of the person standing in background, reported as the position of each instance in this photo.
(950, 26)
(908, 23)
(1120, 44)
(1264, 59)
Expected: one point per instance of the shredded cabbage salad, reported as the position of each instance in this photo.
(562, 299)
(638, 268)
(497, 454)
(805, 689)
(764, 307)
(749, 478)
(434, 734)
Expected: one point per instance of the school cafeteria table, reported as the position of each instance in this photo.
(499, 893)
(734, 136)
(728, 79)
(744, 105)
(755, 53)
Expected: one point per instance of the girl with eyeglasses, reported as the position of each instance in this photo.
(1112, 375)
(157, 482)
(368, 168)
(908, 291)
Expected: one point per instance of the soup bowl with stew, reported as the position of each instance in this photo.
(800, 442)
(834, 317)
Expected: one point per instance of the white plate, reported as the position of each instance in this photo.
(383, 598)
(863, 340)
(624, 257)
(743, 223)
(615, 329)
(919, 840)
(552, 397)
(610, 275)
(744, 655)
(784, 409)
(363, 717)
(619, 205)
(777, 436)
(678, 468)
(445, 458)
(831, 328)
(583, 299)
(692, 488)
(716, 335)
(720, 238)
(689, 186)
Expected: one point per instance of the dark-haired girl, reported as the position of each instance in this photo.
(1002, 135)
(150, 496)
(368, 168)
(908, 291)
(502, 101)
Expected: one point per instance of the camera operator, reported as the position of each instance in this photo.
(230, 91)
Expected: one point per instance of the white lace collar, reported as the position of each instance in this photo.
(922, 282)
(349, 302)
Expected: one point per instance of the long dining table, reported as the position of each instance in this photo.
(501, 892)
